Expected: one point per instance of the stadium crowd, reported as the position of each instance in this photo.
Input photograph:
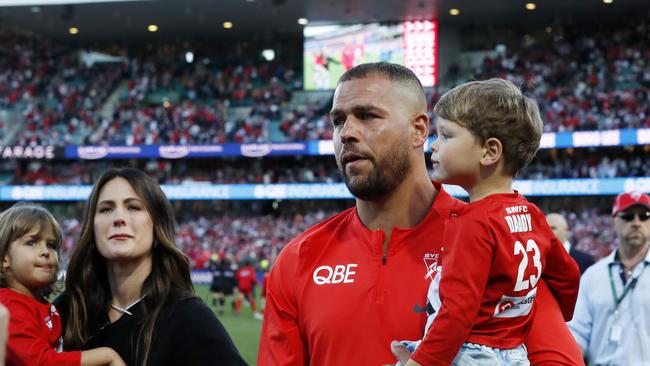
(595, 80)
(582, 80)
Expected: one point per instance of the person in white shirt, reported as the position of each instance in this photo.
(611, 323)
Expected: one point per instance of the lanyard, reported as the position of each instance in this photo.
(630, 285)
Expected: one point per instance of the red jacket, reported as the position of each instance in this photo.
(34, 333)
(497, 250)
(334, 299)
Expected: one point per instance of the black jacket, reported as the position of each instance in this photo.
(186, 333)
(583, 259)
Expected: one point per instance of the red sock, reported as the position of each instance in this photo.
(252, 301)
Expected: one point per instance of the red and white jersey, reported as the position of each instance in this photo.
(34, 332)
(334, 298)
(246, 278)
(496, 252)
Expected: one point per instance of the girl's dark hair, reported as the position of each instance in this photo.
(87, 280)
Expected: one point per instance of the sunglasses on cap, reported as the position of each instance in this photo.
(629, 216)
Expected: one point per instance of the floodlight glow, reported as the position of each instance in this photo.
(268, 54)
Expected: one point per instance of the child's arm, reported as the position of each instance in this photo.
(102, 356)
(465, 272)
(27, 345)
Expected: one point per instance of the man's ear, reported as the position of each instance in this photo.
(492, 152)
(420, 125)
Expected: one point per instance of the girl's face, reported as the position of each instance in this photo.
(31, 262)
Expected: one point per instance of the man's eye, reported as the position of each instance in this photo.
(366, 116)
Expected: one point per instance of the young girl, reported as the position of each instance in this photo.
(30, 239)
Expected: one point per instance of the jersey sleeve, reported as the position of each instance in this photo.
(562, 275)
(281, 342)
(550, 342)
(465, 273)
(26, 346)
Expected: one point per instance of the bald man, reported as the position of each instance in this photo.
(342, 290)
(560, 228)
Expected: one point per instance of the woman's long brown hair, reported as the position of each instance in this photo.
(86, 282)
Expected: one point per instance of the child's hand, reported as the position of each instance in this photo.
(400, 351)
(102, 356)
(117, 361)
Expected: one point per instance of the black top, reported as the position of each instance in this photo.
(223, 278)
(223, 275)
(186, 333)
(584, 259)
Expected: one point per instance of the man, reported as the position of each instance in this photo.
(560, 228)
(340, 292)
(612, 317)
(223, 282)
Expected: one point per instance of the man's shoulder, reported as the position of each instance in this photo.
(326, 227)
(598, 271)
(314, 236)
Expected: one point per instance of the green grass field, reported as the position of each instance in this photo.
(243, 328)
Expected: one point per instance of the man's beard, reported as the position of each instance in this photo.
(384, 177)
(635, 241)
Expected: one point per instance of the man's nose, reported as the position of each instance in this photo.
(350, 130)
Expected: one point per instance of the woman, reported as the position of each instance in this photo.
(128, 287)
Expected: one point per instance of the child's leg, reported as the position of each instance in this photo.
(478, 354)
(514, 356)
(472, 354)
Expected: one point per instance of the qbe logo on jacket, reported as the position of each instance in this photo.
(342, 273)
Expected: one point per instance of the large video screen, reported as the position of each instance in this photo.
(331, 50)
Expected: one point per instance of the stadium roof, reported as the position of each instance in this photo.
(174, 18)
